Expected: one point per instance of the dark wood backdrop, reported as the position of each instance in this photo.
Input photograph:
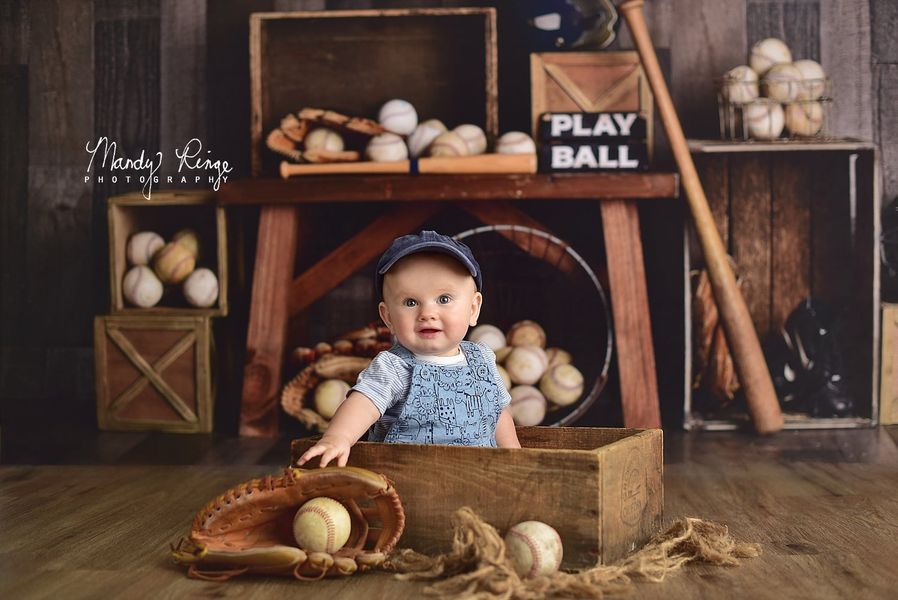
(151, 74)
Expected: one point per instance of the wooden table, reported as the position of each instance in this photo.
(821, 504)
(277, 294)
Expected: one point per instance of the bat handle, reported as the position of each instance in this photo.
(740, 332)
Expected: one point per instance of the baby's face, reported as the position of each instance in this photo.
(430, 300)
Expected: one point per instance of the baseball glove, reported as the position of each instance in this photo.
(249, 528)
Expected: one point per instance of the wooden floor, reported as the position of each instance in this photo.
(92, 515)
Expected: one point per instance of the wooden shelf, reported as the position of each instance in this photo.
(711, 146)
(408, 188)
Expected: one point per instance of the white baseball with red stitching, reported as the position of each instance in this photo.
(321, 525)
(534, 549)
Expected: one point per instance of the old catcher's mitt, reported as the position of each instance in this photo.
(249, 528)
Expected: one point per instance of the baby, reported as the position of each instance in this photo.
(432, 387)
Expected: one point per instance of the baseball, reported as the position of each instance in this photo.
(386, 147)
(448, 144)
(740, 85)
(562, 384)
(557, 356)
(329, 395)
(534, 549)
(502, 354)
(515, 142)
(767, 53)
(504, 375)
(526, 333)
(142, 246)
(764, 118)
(782, 83)
(398, 116)
(473, 136)
(526, 364)
(201, 288)
(488, 335)
(813, 79)
(804, 118)
(425, 133)
(321, 525)
(190, 240)
(323, 138)
(527, 406)
(141, 287)
(174, 263)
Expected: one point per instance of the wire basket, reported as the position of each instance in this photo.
(531, 274)
(779, 111)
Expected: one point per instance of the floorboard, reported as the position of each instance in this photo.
(93, 516)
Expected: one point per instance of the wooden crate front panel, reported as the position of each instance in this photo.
(563, 486)
(799, 224)
(167, 213)
(589, 82)
(153, 373)
(888, 410)
(443, 61)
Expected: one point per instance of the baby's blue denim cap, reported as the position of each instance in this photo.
(426, 241)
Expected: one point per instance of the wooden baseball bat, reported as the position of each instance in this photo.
(740, 332)
(458, 165)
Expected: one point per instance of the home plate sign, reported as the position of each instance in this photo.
(581, 142)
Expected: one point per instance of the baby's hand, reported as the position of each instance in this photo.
(329, 448)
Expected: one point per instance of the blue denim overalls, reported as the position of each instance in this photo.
(457, 405)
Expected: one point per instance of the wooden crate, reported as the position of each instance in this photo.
(442, 60)
(888, 395)
(166, 213)
(601, 489)
(153, 373)
(800, 219)
(589, 82)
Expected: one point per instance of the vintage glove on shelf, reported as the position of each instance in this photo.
(249, 528)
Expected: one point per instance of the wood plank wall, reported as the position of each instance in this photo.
(153, 73)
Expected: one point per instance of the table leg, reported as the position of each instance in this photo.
(630, 310)
(266, 335)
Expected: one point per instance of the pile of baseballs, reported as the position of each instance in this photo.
(155, 264)
(406, 137)
(538, 378)
(774, 93)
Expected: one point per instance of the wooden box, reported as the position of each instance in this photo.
(166, 213)
(800, 219)
(589, 82)
(442, 60)
(153, 373)
(601, 489)
(888, 395)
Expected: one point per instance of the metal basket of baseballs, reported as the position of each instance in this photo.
(327, 371)
(546, 317)
(773, 98)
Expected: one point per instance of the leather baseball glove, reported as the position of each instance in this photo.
(249, 528)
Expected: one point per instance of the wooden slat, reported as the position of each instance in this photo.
(750, 233)
(790, 256)
(630, 307)
(353, 254)
(13, 202)
(405, 188)
(182, 42)
(268, 320)
(714, 173)
(845, 54)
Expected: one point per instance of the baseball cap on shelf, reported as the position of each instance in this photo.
(426, 241)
